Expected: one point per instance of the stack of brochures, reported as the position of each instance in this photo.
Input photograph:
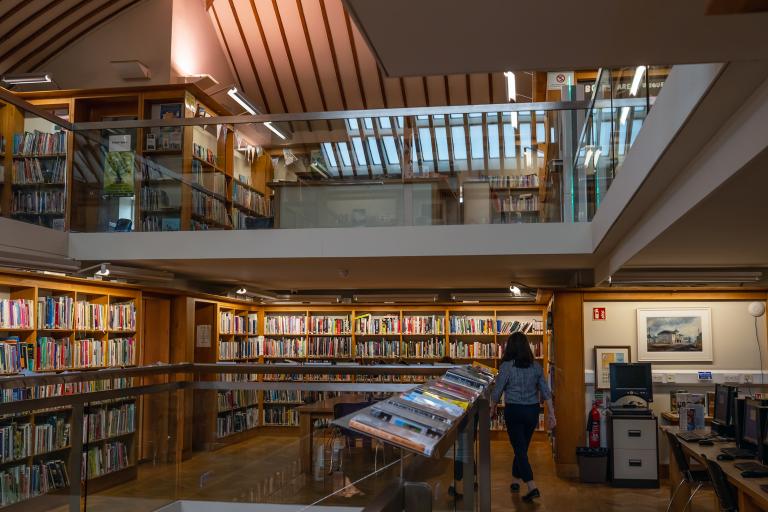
(420, 418)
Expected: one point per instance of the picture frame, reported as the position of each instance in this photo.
(604, 356)
(674, 334)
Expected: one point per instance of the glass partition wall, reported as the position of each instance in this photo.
(165, 164)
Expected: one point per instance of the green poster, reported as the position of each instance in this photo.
(118, 173)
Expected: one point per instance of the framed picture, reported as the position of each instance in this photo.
(604, 356)
(674, 334)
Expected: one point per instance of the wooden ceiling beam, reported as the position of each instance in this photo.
(26, 19)
(229, 54)
(334, 57)
(267, 52)
(355, 59)
(248, 53)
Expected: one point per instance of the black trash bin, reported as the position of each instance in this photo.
(593, 465)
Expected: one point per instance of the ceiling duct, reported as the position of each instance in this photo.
(384, 298)
(475, 298)
(684, 277)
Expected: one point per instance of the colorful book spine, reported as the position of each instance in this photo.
(122, 316)
(237, 421)
(20, 483)
(55, 312)
(330, 346)
(53, 434)
(53, 353)
(226, 322)
(236, 399)
(15, 441)
(330, 325)
(285, 347)
(378, 348)
(88, 353)
(281, 415)
(430, 348)
(16, 313)
(427, 324)
(470, 350)
(249, 348)
(121, 352)
(369, 324)
(471, 325)
(104, 459)
(90, 317)
(286, 324)
(105, 422)
(39, 143)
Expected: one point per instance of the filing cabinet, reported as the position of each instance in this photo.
(633, 441)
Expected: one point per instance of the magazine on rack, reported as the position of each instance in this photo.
(468, 377)
(418, 397)
(386, 408)
(422, 409)
(398, 434)
(445, 397)
(456, 390)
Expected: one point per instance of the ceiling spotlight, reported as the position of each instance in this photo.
(515, 290)
(249, 107)
(103, 270)
(241, 291)
(27, 78)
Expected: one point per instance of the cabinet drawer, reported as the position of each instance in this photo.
(634, 435)
(635, 465)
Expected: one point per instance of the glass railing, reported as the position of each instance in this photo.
(621, 100)
(215, 436)
(484, 164)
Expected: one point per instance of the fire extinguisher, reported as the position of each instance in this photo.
(593, 426)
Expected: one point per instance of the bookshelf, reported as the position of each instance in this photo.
(172, 178)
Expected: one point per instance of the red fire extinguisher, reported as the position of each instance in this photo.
(594, 426)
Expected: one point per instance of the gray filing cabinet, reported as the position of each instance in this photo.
(634, 450)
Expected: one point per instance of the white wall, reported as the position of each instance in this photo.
(142, 32)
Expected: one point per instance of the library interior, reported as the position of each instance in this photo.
(344, 255)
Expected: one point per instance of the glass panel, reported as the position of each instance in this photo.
(476, 141)
(426, 144)
(459, 142)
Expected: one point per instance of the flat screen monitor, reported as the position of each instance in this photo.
(631, 379)
(751, 428)
(724, 404)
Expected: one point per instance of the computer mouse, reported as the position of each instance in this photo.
(724, 456)
(706, 442)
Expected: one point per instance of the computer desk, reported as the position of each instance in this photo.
(750, 496)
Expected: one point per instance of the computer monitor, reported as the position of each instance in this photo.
(631, 379)
(725, 409)
(752, 423)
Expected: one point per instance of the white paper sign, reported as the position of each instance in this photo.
(557, 79)
(119, 143)
(203, 337)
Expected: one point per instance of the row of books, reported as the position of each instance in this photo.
(292, 396)
(63, 389)
(237, 421)
(476, 350)
(11, 358)
(52, 434)
(151, 170)
(34, 171)
(429, 348)
(160, 223)
(428, 324)
(244, 220)
(378, 348)
(471, 325)
(241, 349)
(20, 483)
(284, 347)
(90, 316)
(64, 353)
(103, 459)
(213, 181)
(58, 313)
(236, 399)
(21, 440)
(420, 418)
(369, 324)
(251, 200)
(330, 346)
(39, 143)
(281, 415)
(55, 312)
(515, 204)
(107, 421)
(16, 441)
(39, 201)
(16, 313)
(514, 181)
(210, 208)
(285, 324)
(154, 199)
(329, 325)
(509, 326)
(122, 316)
(204, 153)
(229, 323)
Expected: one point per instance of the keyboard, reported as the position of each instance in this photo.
(694, 435)
(739, 453)
(751, 466)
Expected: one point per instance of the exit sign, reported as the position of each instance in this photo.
(598, 313)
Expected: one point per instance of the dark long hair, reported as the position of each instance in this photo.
(518, 350)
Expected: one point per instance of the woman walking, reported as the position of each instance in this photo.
(522, 381)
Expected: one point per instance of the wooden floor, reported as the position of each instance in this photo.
(266, 469)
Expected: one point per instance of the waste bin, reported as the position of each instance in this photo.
(593, 465)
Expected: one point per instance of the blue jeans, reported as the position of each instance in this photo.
(521, 421)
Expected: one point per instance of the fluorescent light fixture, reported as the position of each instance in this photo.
(241, 291)
(515, 290)
(103, 270)
(624, 115)
(473, 298)
(511, 86)
(598, 152)
(588, 157)
(27, 78)
(382, 298)
(667, 277)
(274, 130)
(242, 101)
(639, 72)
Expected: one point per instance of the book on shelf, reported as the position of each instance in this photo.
(39, 171)
(247, 198)
(16, 441)
(90, 317)
(39, 143)
(284, 347)
(155, 172)
(514, 181)
(52, 434)
(377, 324)
(156, 199)
(209, 209)
(39, 202)
(292, 396)
(16, 313)
(330, 325)
(330, 346)
(103, 459)
(88, 353)
(522, 203)
(252, 325)
(53, 353)
(236, 399)
(423, 324)
(121, 352)
(285, 324)
(122, 316)
(55, 312)
(109, 420)
(160, 223)
(429, 348)
(248, 348)
(16, 355)
(378, 348)
(204, 153)
(527, 327)
(469, 349)
(22, 482)
(471, 325)
(237, 421)
(281, 415)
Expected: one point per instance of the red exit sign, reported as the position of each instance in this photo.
(598, 313)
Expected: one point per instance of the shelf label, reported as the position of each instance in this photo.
(598, 313)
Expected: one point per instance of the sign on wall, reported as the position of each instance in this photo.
(598, 314)
(557, 79)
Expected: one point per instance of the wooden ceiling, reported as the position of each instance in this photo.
(33, 31)
(308, 56)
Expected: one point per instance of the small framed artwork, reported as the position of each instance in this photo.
(604, 356)
(674, 334)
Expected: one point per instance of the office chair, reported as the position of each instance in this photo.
(696, 479)
(725, 497)
(123, 225)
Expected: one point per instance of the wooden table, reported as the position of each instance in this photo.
(307, 416)
(749, 494)
(674, 418)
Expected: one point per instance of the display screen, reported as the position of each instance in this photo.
(751, 426)
(631, 379)
(721, 403)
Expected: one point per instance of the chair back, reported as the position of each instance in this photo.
(679, 455)
(725, 496)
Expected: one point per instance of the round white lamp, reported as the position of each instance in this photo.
(756, 309)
